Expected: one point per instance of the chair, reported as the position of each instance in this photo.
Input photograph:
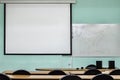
(91, 66)
(57, 72)
(102, 77)
(4, 77)
(92, 72)
(71, 77)
(115, 72)
(21, 72)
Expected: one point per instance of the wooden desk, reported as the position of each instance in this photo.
(64, 69)
(68, 69)
(46, 72)
(75, 71)
(32, 72)
(52, 77)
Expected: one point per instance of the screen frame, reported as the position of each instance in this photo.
(5, 53)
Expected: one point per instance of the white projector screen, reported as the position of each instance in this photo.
(37, 29)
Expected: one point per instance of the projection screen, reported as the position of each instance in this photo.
(37, 29)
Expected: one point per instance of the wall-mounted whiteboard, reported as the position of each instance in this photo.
(37, 29)
(96, 40)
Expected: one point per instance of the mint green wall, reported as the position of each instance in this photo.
(84, 11)
(96, 11)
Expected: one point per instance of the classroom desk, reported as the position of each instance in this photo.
(52, 77)
(74, 70)
(64, 69)
(68, 69)
(32, 72)
(46, 72)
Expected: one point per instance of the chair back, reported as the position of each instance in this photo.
(57, 72)
(71, 77)
(92, 72)
(91, 66)
(21, 72)
(4, 77)
(102, 77)
(115, 72)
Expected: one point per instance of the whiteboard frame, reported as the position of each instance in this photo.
(5, 53)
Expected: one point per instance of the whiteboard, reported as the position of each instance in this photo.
(37, 29)
(96, 40)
